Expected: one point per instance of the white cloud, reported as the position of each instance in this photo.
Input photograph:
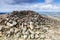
(37, 7)
(2, 2)
(48, 1)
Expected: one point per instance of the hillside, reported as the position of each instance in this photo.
(28, 25)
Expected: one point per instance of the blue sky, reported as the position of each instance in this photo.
(36, 5)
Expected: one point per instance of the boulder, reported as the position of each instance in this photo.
(12, 23)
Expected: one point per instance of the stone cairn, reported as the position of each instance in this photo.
(24, 25)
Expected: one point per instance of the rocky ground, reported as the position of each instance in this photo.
(28, 25)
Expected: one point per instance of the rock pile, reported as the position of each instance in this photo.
(25, 25)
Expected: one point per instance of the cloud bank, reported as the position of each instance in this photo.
(11, 5)
(48, 1)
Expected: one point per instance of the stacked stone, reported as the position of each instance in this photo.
(25, 25)
(29, 30)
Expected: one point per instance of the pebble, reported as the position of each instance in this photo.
(14, 23)
(25, 36)
(7, 19)
(24, 28)
(8, 33)
(16, 30)
(25, 24)
(37, 32)
(36, 36)
(32, 36)
(1, 34)
(9, 24)
(26, 33)
(47, 39)
(45, 28)
(31, 31)
(12, 30)
(31, 26)
(6, 27)
(1, 27)
(42, 36)
(18, 35)
(37, 27)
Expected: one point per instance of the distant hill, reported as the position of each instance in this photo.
(5, 12)
(2, 13)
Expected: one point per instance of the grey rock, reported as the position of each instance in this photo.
(32, 36)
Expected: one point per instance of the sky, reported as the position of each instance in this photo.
(35, 5)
